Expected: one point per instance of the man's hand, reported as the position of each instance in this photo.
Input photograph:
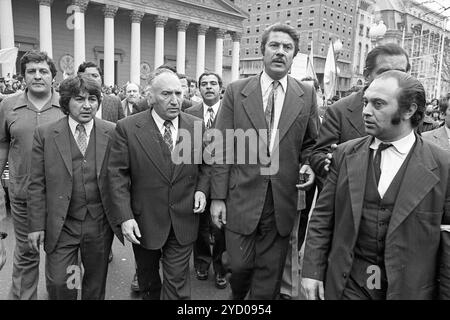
(35, 239)
(307, 171)
(2, 254)
(218, 213)
(313, 289)
(329, 157)
(130, 230)
(199, 202)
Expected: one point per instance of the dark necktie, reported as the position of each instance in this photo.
(270, 111)
(377, 160)
(168, 134)
(210, 122)
(82, 138)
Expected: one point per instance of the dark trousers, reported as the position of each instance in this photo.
(257, 260)
(92, 238)
(203, 256)
(176, 283)
(354, 291)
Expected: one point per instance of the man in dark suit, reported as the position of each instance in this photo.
(156, 198)
(67, 194)
(381, 226)
(210, 87)
(110, 108)
(132, 96)
(256, 197)
(342, 120)
(441, 135)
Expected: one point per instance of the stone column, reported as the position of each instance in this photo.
(181, 46)
(6, 33)
(236, 37)
(79, 33)
(218, 65)
(201, 36)
(160, 22)
(45, 26)
(135, 55)
(108, 54)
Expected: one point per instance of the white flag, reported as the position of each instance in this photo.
(310, 71)
(329, 74)
(8, 55)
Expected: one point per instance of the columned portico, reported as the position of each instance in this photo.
(109, 13)
(79, 32)
(201, 37)
(135, 54)
(160, 22)
(45, 26)
(6, 32)
(181, 46)
(218, 62)
(236, 37)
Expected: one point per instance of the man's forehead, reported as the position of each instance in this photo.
(35, 65)
(166, 80)
(382, 87)
(280, 36)
(132, 86)
(209, 78)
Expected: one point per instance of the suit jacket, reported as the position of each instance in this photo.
(342, 121)
(142, 189)
(197, 110)
(415, 248)
(50, 187)
(439, 137)
(112, 108)
(243, 185)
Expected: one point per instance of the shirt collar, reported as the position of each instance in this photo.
(73, 126)
(215, 107)
(22, 99)
(160, 121)
(266, 81)
(402, 145)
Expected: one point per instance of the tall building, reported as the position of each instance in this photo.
(318, 21)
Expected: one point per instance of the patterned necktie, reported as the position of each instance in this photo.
(377, 160)
(82, 138)
(210, 122)
(168, 135)
(269, 113)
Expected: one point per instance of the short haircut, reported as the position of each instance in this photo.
(192, 80)
(444, 103)
(157, 72)
(280, 27)
(73, 86)
(129, 84)
(388, 49)
(37, 56)
(411, 92)
(169, 67)
(89, 64)
(207, 73)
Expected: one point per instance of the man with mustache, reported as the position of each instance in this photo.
(19, 116)
(381, 226)
(257, 202)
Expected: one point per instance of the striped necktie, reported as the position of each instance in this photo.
(168, 134)
(81, 138)
(210, 122)
(270, 111)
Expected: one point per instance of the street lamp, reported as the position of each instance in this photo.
(377, 31)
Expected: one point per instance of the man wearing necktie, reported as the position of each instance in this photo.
(210, 86)
(381, 226)
(67, 195)
(156, 199)
(255, 203)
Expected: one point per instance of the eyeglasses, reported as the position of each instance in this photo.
(3, 235)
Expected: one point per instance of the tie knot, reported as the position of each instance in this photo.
(275, 84)
(167, 124)
(81, 128)
(210, 110)
(384, 146)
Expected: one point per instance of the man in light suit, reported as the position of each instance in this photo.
(155, 197)
(441, 135)
(381, 226)
(210, 87)
(110, 108)
(256, 201)
(67, 195)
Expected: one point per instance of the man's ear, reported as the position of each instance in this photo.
(410, 111)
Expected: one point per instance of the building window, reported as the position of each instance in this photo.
(310, 35)
(325, 11)
(248, 40)
(258, 6)
(256, 51)
(361, 30)
(267, 16)
(288, 13)
(288, 22)
(258, 17)
(324, 22)
(249, 8)
(268, 4)
(230, 52)
(311, 22)
(311, 11)
(248, 29)
(247, 52)
(300, 12)
(257, 28)
(299, 23)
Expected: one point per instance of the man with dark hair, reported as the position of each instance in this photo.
(257, 201)
(381, 226)
(20, 114)
(210, 87)
(441, 135)
(67, 194)
(110, 108)
(342, 120)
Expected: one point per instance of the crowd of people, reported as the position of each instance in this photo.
(158, 168)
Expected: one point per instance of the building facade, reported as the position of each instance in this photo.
(128, 38)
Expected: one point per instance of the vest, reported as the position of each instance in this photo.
(85, 192)
(375, 218)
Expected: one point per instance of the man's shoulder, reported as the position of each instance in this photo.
(52, 126)
(435, 132)
(353, 100)
(429, 148)
(196, 107)
(352, 145)
(13, 100)
(189, 117)
(109, 99)
(105, 124)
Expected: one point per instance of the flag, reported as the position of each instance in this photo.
(299, 65)
(310, 71)
(8, 58)
(329, 74)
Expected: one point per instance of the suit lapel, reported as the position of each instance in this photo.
(421, 164)
(357, 163)
(148, 137)
(253, 104)
(62, 141)
(101, 139)
(441, 136)
(184, 124)
(355, 113)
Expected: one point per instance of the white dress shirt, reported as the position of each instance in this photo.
(206, 114)
(99, 110)
(392, 159)
(73, 128)
(266, 88)
(160, 124)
